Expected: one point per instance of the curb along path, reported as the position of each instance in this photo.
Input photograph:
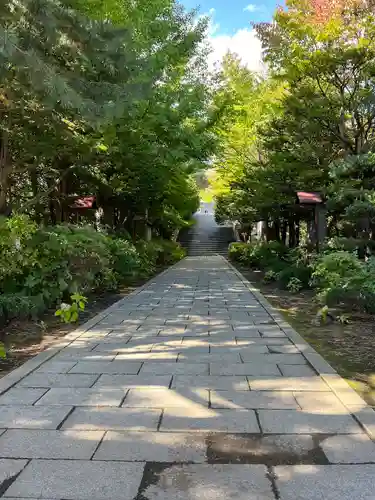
(193, 387)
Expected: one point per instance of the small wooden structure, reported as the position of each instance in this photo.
(314, 212)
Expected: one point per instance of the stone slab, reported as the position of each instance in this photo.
(209, 420)
(283, 349)
(252, 400)
(154, 368)
(53, 366)
(32, 417)
(112, 367)
(224, 358)
(312, 384)
(286, 359)
(21, 396)
(82, 397)
(258, 369)
(299, 422)
(272, 449)
(86, 357)
(211, 382)
(152, 447)
(296, 370)
(96, 418)
(211, 482)
(57, 380)
(366, 417)
(124, 382)
(20, 443)
(320, 401)
(71, 480)
(328, 482)
(9, 468)
(166, 398)
(352, 449)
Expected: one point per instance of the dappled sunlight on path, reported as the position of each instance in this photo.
(192, 387)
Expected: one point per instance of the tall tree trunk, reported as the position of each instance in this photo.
(5, 170)
(292, 233)
(284, 231)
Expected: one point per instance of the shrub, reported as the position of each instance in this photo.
(126, 261)
(340, 277)
(171, 252)
(158, 253)
(238, 252)
(40, 267)
(270, 276)
(299, 271)
(272, 255)
(294, 285)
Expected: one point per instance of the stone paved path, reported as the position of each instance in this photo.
(192, 388)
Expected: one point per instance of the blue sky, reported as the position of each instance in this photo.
(231, 28)
(232, 15)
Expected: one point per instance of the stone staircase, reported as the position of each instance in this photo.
(206, 239)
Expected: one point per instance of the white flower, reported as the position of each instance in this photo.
(17, 244)
(64, 306)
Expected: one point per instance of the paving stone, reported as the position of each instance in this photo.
(328, 482)
(270, 450)
(166, 398)
(300, 422)
(320, 401)
(84, 480)
(56, 366)
(314, 384)
(112, 367)
(57, 380)
(259, 369)
(229, 358)
(248, 342)
(174, 368)
(19, 443)
(152, 447)
(286, 359)
(216, 482)
(283, 349)
(89, 356)
(271, 331)
(124, 382)
(32, 417)
(252, 400)
(366, 416)
(209, 420)
(21, 396)
(9, 468)
(352, 449)
(211, 382)
(96, 418)
(82, 397)
(296, 370)
(161, 356)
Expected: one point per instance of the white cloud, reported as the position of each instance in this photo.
(244, 42)
(251, 8)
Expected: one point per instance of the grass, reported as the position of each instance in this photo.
(349, 348)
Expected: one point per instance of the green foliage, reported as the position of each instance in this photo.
(158, 253)
(3, 352)
(48, 265)
(294, 285)
(239, 252)
(270, 276)
(69, 313)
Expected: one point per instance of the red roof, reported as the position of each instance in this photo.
(306, 198)
(84, 202)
